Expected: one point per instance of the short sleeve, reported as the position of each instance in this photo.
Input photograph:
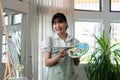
(46, 45)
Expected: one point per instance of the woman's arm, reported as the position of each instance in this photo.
(49, 61)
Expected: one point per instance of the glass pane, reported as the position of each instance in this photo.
(14, 32)
(4, 48)
(17, 18)
(115, 5)
(83, 32)
(115, 33)
(6, 20)
(115, 38)
(3, 39)
(93, 5)
(16, 38)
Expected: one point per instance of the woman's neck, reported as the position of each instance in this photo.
(63, 36)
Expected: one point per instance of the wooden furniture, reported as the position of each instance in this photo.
(9, 68)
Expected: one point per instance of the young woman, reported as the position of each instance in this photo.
(60, 65)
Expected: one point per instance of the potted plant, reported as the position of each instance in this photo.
(104, 63)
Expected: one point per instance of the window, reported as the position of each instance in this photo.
(15, 38)
(4, 49)
(115, 37)
(4, 42)
(6, 19)
(83, 30)
(115, 33)
(16, 18)
(114, 5)
(93, 5)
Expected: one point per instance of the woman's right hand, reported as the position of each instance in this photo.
(61, 53)
(52, 61)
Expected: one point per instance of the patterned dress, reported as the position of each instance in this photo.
(64, 69)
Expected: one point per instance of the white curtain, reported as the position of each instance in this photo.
(30, 41)
(46, 9)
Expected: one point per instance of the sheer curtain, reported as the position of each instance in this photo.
(30, 41)
(46, 9)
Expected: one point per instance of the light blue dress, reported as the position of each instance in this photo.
(64, 69)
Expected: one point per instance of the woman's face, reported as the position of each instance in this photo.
(59, 27)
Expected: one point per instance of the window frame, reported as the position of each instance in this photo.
(97, 21)
(100, 8)
(13, 18)
(110, 6)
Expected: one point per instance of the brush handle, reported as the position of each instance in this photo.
(64, 49)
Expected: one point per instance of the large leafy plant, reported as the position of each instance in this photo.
(104, 63)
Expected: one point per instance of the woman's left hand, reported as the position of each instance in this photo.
(76, 61)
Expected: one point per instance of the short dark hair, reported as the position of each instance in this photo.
(59, 17)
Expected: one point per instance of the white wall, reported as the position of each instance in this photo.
(16, 5)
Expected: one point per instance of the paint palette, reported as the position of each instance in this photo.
(78, 50)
